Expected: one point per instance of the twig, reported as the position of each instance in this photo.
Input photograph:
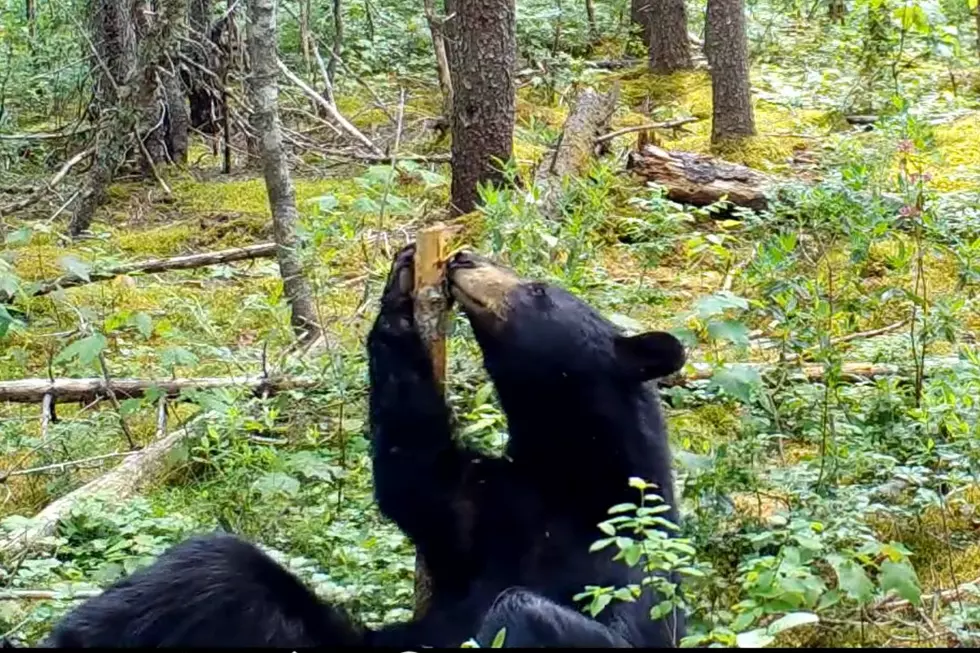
(50, 185)
(63, 465)
(115, 402)
(331, 109)
(670, 124)
(46, 595)
(188, 262)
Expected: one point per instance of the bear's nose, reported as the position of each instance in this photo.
(463, 260)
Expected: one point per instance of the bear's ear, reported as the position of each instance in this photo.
(650, 355)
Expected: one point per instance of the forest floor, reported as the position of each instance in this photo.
(292, 470)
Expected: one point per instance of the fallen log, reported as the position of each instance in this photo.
(699, 179)
(29, 391)
(576, 146)
(813, 373)
(188, 262)
(135, 472)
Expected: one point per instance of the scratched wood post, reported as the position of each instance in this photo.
(431, 312)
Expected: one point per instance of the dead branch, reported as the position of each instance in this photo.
(46, 595)
(945, 596)
(60, 467)
(57, 179)
(670, 124)
(813, 373)
(187, 262)
(126, 479)
(330, 108)
(91, 389)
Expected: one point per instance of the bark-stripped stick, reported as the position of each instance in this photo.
(431, 309)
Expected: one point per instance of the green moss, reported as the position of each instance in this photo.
(959, 146)
(689, 94)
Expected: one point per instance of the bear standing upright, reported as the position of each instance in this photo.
(581, 421)
(506, 539)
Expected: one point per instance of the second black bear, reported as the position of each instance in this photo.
(506, 539)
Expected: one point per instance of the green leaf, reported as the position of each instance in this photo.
(144, 324)
(632, 555)
(498, 639)
(85, 350)
(738, 381)
(75, 267)
(661, 610)
(599, 603)
(607, 528)
(20, 236)
(901, 577)
(174, 356)
(762, 637)
(276, 483)
(730, 330)
(717, 303)
(311, 465)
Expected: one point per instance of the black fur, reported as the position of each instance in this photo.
(506, 539)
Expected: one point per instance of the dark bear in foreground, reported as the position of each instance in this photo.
(506, 539)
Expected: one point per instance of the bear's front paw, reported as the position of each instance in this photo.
(397, 300)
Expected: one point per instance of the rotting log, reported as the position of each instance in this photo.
(431, 312)
(29, 391)
(699, 179)
(135, 472)
(576, 146)
(188, 262)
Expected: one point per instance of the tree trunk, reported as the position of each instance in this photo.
(836, 11)
(640, 17)
(670, 46)
(30, 10)
(113, 66)
(202, 53)
(338, 39)
(264, 97)
(173, 30)
(727, 51)
(590, 17)
(482, 55)
(436, 24)
(149, 33)
(178, 121)
(977, 12)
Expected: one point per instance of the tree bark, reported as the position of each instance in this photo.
(588, 118)
(150, 34)
(264, 97)
(202, 52)
(977, 12)
(482, 56)
(590, 17)
(114, 66)
(701, 180)
(728, 56)
(670, 47)
(641, 18)
(338, 39)
(436, 24)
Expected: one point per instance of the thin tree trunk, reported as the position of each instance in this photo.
(178, 121)
(30, 10)
(727, 50)
(113, 54)
(264, 97)
(442, 59)
(641, 18)
(977, 12)
(482, 55)
(670, 46)
(202, 53)
(151, 103)
(338, 39)
(590, 16)
(174, 15)
(836, 11)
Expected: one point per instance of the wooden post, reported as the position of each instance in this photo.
(432, 246)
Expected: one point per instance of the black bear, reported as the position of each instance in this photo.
(506, 539)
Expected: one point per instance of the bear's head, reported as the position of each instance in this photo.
(533, 332)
